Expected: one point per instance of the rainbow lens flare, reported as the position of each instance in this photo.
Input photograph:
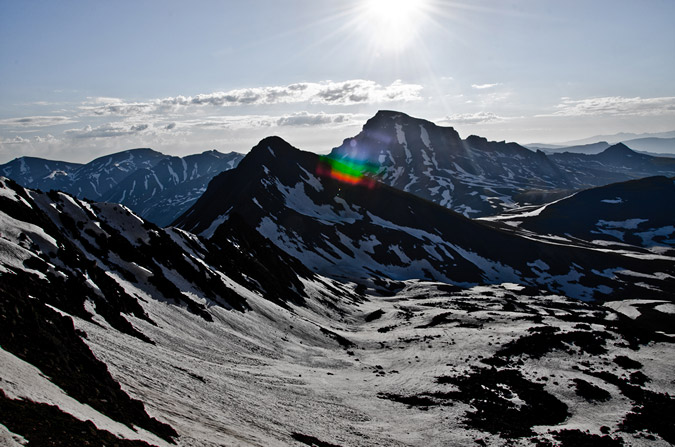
(347, 170)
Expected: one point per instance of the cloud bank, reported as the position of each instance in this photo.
(616, 105)
(37, 121)
(345, 93)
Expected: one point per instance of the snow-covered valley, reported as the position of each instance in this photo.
(427, 365)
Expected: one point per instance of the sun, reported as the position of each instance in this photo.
(394, 12)
(394, 24)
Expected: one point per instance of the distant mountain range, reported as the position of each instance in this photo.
(610, 138)
(472, 176)
(662, 144)
(158, 187)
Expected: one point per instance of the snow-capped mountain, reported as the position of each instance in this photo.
(39, 173)
(477, 177)
(474, 176)
(117, 332)
(98, 177)
(638, 212)
(163, 192)
(372, 231)
(156, 186)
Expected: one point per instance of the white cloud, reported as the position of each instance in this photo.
(109, 130)
(358, 91)
(119, 109)
(49, 138)
(227, 122)
(315, 119)
(484, 86)
(16, 140)
(299, 119)
(103, 100)
(615, 105)
(37, 121)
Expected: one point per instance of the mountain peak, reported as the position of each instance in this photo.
(385, 117)
(618, 150)
(273, 146)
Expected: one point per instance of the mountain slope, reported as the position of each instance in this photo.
(477, 177)
(639, 212)
(359, 232)
(40, 173)
(64, 260)
(94, 179)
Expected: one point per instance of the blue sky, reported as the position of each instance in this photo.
(79, 79)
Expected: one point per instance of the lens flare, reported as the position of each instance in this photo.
(347, 170)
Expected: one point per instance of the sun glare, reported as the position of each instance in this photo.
(393, 24)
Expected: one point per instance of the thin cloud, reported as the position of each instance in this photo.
(37, 121)
(110, 130)
(473, 118)
(484, 86)
(615, 105)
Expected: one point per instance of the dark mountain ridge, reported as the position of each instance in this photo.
(357, 232)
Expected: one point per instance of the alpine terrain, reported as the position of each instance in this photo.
(347, 299)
